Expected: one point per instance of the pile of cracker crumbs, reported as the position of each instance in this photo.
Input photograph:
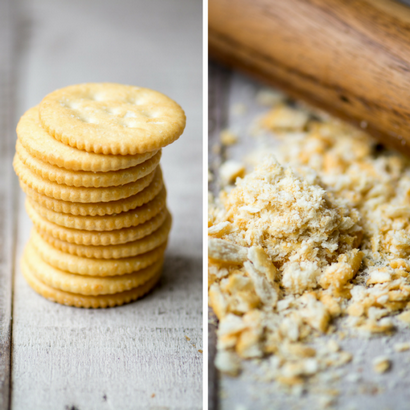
(314, 239)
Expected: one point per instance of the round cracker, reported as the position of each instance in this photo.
(46, 148)
(94, 267)
(78, 194)
(83, 301)
(107, 222)
(85, 178)
(126, 250)
(108, 118)
(98, 208)
(86, 285)
(96, 238)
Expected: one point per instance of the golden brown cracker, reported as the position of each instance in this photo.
(71, 299)
(107, 222)
(86, 285)
(78, 194)
(98, 208)
(86, 178)
(125, 250)
(43, 146)
(96, 238)
(108, 118)
(94, 267)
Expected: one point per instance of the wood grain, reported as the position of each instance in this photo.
(351, 58)
(7, 198)
(218, 95)
(144, 355)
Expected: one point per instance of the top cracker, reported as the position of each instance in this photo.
(108, 118)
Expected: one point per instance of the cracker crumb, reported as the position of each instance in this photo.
(381, 364)
(284, 118)
(404, 317)
(239, 109)
(313, 241)
(228, 137)
(401, 347)
(230, 170)
(269, 98)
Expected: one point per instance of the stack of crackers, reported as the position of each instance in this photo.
(88, 159)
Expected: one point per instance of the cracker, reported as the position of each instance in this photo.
(107, 222)
(78, 194)
(83, 285)
(43, 146)
(98, 208)
(108, 118)
(71, 299)
(86, 178)
(94, 267)
(96, 238)
(126, 250)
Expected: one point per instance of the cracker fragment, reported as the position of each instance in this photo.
(381, 364)
(401, 347)
(230, 170)
(225, 252)
(228, 137)
(282, 117)
(404, 317)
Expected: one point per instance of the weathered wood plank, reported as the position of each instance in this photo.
(7, 198)
(146, 354)
(218, 93)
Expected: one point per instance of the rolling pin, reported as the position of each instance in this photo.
(348, 57)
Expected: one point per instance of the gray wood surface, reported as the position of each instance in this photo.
(7, 198)
(358, 386)
(144, 355)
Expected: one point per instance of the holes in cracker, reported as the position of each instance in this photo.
(113, 111)
(97, 97)
(73, 105)
(135, 101)
(130, 114)
(129, 124)
(92, 120)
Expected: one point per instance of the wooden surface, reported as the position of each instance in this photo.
(358, 386)
(351, 58)
(7, 199)
(144, 355)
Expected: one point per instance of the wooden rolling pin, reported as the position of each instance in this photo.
(348, 57)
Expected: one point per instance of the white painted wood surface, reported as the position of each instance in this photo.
(136, 356)
(7, 199)
(358, 386)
